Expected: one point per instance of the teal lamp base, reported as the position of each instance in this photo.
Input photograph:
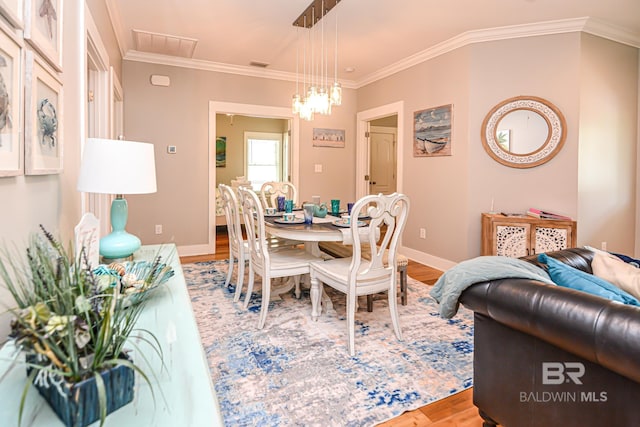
(119, 245)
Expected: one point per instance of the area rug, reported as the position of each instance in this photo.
(297, 372)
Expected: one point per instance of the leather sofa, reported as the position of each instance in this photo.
(547, 355)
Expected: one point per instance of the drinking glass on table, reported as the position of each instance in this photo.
(335, 207)
(349, 207)
(280, 200)
(288, 205)
(308, 212)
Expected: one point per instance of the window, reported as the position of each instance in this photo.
(263, 154)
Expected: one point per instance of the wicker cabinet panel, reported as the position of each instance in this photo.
(549, 239)
(516, 236)
(512, 240)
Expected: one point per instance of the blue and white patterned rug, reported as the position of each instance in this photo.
(297, 372)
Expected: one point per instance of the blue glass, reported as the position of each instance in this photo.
(280, 200)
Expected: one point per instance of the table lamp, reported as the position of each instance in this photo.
(117, 167)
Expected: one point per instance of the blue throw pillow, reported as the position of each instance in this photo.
(569, 277)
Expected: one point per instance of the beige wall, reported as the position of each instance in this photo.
(437, 186)
(178, 115)
(234, 131)
(608, 144)
(448, 194)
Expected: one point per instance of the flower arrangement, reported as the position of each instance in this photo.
(72, 322)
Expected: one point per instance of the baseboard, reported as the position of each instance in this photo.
(426, 259)
(196, 250)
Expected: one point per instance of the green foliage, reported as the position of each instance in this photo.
(74, 321)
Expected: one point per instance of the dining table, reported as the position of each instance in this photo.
(327, 229)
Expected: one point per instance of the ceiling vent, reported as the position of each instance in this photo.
(164, 44)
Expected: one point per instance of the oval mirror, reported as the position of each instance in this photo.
(523, 132)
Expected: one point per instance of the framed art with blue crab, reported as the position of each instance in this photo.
(11, 137)
(43, 118)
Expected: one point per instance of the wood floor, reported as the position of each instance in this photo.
(454, 411)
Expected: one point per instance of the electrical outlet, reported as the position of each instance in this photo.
(318, 168)
(423, 233)
(158, 228)
(603, 245)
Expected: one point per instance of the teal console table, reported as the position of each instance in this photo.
(189, 397)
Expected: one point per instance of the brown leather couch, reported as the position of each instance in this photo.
(546, 355)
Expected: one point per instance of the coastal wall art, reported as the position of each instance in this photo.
(221, 151)
(11, 107)
(432, 132)
(43, 29)
(328, 138)
(43, 118)
(13, 10)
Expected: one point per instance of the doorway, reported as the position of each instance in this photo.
(365, 119)
(250, 110)
(383, 137)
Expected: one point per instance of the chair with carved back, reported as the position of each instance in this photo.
(356, 275)
(264, 261)
(238, 247)
(270, 191)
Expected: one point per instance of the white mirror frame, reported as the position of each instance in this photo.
(555, 139)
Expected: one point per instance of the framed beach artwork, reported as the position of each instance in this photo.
(328, 138)
(432, 132)
(221, 151)
(43, 29)
(43, 118)
(11, 150)
(13, 11)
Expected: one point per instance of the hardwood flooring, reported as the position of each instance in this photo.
(454, 411)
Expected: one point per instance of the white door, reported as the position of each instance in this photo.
(382, 149)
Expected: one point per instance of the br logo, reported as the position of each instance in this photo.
(554, 373)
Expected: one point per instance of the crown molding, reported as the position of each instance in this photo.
(583, 24)
(198, 64)
(608, 31)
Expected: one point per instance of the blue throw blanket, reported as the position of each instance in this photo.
(454, 281)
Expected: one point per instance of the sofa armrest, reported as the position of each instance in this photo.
(588, 326)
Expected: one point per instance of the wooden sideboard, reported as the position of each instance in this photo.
(521, 235)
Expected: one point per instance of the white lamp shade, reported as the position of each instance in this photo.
(117, 167)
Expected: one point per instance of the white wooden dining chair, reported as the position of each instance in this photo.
(356, 276)
(263, 261)
(270, 191)
(238, 247)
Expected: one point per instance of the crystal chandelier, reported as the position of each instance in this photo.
(316, 95)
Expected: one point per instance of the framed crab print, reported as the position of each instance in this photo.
(43, 118)
(43, 29)
(13, 10)
(11, 137)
